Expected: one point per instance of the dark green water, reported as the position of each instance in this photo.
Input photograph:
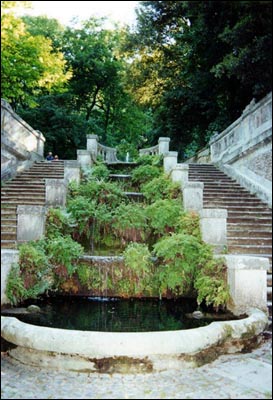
(115, 315)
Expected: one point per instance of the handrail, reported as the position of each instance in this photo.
(108, 154)
(149, 150)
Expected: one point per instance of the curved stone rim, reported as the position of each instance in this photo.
(130, 344)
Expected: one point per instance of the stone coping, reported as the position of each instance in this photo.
(51, 347)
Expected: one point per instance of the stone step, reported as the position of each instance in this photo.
(223, 190)
(242, 208)
(20, 189)
(18, 198)
(8, 228)
(249, 213)
(28, 202)
(22, 195)
(250, 225)
(8, 235)
(248, 219)
(27, 183)
(228, 196)
(249, 249)
(269, 293)
(39, 176)
(250, 240)
(224, 203)
(253, 233)
(8, 244)
(269, 279)
(120, 176)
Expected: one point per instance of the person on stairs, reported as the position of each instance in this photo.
(49, 157)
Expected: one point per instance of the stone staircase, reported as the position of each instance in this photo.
(27, 188)
(249, 221)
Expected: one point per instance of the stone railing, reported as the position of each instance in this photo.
(244, 149)
(108, 154)
(21, 145)
(161, 148)
(149, 151)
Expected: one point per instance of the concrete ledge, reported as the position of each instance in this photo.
(58, 348)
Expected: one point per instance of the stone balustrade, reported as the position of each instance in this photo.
(21, 145)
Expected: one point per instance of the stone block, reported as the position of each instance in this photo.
(170, 160)
(180, 174)
(213, 223)
(56, 192)
(84, 158)
(71, 171)
(8, 257)
(30, 222)
(163, 145)
(193, 196)
(247, 279)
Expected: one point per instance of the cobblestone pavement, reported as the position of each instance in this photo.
(236, 376)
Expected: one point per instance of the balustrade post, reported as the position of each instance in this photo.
(92, 146)
(163, 145)
(170, 160)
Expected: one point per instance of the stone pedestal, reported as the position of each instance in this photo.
(8, 257)
(170, 161)
(71, 171)
(84, 158)
(193, 196)
(163, 145)
(92, 146)
(180, 174)
(40, 143)
(30, 222)
(247, 279)
(55, 192)
(214, 226)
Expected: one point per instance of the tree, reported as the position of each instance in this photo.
(29, 66)
(212, 57)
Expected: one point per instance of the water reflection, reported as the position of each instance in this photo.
(115, 315)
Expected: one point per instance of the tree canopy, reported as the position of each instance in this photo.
(188, 69)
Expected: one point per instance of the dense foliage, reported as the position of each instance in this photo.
(187, 70)
(163, 253)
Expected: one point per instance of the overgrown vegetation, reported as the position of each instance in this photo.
(161, 244)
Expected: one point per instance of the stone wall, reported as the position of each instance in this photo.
(244, 149)
(21, 145)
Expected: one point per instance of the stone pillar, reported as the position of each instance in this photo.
(180, 174)
(30, 222)
(40, 143)
(170, 160)
(55, 192)
(71, 171)
(163, 145)
(247, 279)
(213, 223)
(84, 158)
(193, 196)
(8, 257)
(92, 146)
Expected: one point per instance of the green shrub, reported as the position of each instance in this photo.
(137, 259)
(63, 254)
(211, 284)
(32, 276)
(58, 222)
(161, 188)
(130, 222)
(148, 159)
(163, 216)
(145, 173)
(179, 256)
(189, 223)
